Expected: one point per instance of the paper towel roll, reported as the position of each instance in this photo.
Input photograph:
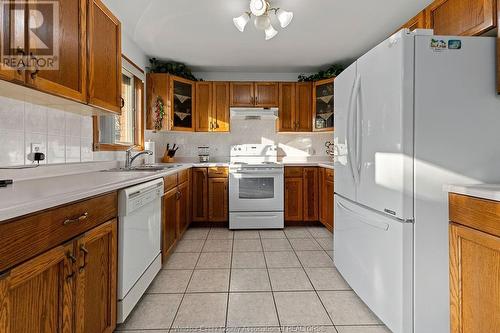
(150, 145)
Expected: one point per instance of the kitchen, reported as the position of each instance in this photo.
(259, 190)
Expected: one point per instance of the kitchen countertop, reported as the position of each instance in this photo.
(33, 195)
(484, 191)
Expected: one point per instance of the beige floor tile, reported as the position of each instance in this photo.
(289, 279)
(246, 234)
(247, 245)
(249, 280)
(283, 259)
(181, 261)
(276, 244)
(154, 311)
(214, 260)
(170, 281)
(305, 244)
(202, 310)
(326, 243)
(346, 308)
(297, 232)
(218, 245)
(320, 232)
(314, 259)
(264, 234)
(248, 260)
(363, 329)
(209, 280)
(196, 233)
(252, 309)
(189, 245)
(300, 308)
(327, 278)
(220, 233)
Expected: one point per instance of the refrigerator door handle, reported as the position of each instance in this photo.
(363, 219)
(359, 110)
(350, 135)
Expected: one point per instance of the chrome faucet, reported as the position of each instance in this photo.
(129, 159)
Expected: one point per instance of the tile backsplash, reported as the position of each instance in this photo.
(64, 137)
(291, 145)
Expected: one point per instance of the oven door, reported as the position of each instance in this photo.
(256, 190)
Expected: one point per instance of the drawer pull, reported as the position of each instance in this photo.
(81, 218)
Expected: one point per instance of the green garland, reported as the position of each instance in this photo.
(174, 68)
(332, 71)
(159, 113)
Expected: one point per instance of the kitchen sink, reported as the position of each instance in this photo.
(142, 168)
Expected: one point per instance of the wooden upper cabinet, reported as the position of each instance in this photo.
(286, 120)
(218, 210)
(104, 58)
(204, 98)
(474, 280)
(416, 22)
(157, 86)
(311, 194)
(303, 107)
(199, 205)
(460, 17)
(182, 104)
(323, 105)
(96, 282)
(242, 94)
(38, 296)
(266, 94)
(9, 25)
(220, 106)
(294, 199)
(69, 80)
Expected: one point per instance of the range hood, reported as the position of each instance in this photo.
(254, 113)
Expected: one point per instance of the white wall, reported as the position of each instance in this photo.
(293, 145)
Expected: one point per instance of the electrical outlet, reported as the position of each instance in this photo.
(36, 148)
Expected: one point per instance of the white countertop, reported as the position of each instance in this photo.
(32, 195)
(484, 191)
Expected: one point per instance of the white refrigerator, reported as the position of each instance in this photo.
(414, 113)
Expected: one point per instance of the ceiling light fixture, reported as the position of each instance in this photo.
(261, 10)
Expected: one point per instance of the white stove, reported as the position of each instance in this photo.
(256, 187)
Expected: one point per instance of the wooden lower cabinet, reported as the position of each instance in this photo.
(38, 296)
(474, 264)
(183, 208)
(218, 210)
(70, 288)
(311, 194)
(96, 280)
(326, 189)
(199, 188)
(169, 221)
(293, 199)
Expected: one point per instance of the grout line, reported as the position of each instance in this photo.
(229, 284)
(270, 284)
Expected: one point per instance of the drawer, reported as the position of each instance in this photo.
(26, 237)
(293, 172)
(170, 182)
(476, 213)
(183, 176)
(329, 175)
(218, 172)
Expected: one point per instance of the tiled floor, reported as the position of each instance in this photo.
(252, 281)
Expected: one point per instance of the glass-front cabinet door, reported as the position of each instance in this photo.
(323, 118)
(182, 104)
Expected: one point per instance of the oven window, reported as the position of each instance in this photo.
(256, 188)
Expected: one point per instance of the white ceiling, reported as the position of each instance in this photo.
(201, 33)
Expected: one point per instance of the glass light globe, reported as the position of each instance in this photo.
(258, 7)
(241, 21)
(262, 22)
(270, 32)
(284, 17)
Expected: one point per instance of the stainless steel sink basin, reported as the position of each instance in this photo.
(142, 168)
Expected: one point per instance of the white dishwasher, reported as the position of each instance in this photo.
(139, 242)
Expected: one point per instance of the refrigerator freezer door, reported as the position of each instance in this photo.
(384, 114)
(373, 252)
(344, 178)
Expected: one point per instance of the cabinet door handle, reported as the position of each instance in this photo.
(85, 252)
(122, 102)
(81, 218)
(71, 257)
(256, 100)
(34, 73)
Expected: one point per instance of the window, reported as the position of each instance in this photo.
(119, 132)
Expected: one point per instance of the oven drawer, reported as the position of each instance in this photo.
(256, 220)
